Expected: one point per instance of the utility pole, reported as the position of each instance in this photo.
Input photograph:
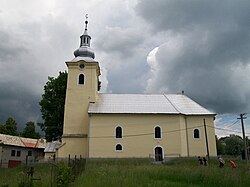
(205, 128)
(242, 116)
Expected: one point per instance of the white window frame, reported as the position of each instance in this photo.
(122, 132)
(160, 133)
(118, 150)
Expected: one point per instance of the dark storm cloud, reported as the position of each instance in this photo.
(9, 49)
(28, 55)
(19, 104)
(206, 51)
(128, 78)
(120, 41)
(179, 15)
(125, 53)
(16, 99)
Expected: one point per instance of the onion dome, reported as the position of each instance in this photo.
(84, 50)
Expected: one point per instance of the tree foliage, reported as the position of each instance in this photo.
(220, 147)
(2, 129)
(52, 106)
(30, 131)
(10, 127)
(233, 145)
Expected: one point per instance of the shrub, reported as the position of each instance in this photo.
(64, 175)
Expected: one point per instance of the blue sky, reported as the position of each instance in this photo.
(201, 47)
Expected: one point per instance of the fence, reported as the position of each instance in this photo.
(53, 172)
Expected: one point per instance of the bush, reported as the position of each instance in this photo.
(64, 175)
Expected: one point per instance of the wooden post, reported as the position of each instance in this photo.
(244, 136)
(69, 160)
(205, 128)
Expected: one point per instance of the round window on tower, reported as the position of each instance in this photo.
(81, 66)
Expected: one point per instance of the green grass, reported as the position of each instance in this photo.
(142, 173)
(13, 176)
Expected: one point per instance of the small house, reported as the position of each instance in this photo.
(15, 150)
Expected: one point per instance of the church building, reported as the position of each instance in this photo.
(99, 125)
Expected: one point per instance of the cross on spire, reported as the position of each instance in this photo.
(86, 21)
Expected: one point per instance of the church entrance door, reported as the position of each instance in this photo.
(158, 154)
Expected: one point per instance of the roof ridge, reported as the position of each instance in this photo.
(37, 143)
(22, 141)
(172, 104)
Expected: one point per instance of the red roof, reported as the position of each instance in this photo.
(31, 145)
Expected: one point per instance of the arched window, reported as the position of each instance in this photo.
(118, 147)
(118, 132)
(81, 79)
(196, 133)
(157, 132)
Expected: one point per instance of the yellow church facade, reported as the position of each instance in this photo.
(139, 138)
(98, 125)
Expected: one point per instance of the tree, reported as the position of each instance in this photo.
(220, 147)
(11, 127)
(234, 145)
(30, 131)
(2, 129)
(52, 106)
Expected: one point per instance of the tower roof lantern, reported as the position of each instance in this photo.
(84, 50)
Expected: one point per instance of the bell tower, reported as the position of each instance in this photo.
(82, 88)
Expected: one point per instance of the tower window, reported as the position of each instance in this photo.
(196, 134)
(158, 132)
(118, 132)
(118, 147)
(81, 79)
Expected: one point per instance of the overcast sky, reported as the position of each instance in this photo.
(161, 46)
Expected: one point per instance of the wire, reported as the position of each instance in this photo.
(165, 132)
(227, 130)
(146, 134)
(228, 126)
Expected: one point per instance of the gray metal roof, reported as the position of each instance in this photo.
(146, 104)
(52, 146)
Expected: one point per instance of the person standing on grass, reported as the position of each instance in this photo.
(232, 164)
(200, 160)
(221, 162)
(204, 161)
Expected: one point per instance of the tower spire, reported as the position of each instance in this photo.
(84, 50)
(86, 22)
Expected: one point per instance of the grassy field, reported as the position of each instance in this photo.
(141, 173)
(177, 173)
(14, 176)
